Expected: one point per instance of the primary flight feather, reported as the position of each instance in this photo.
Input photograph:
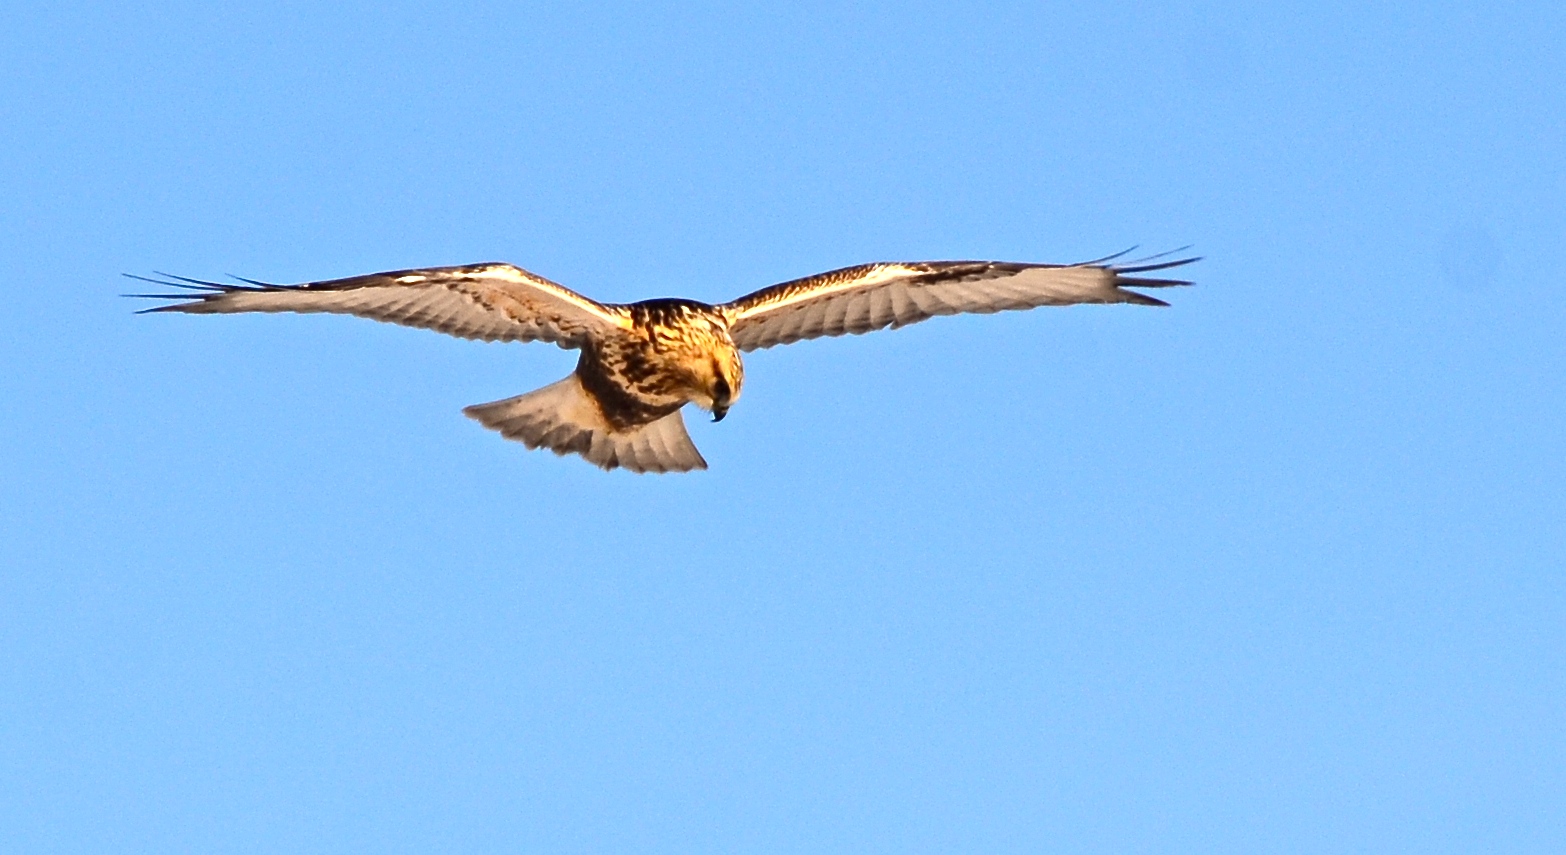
(642, 362)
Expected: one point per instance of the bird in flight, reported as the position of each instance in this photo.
(642, 362)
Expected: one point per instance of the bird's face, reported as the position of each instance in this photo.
(708, 360)
(721, 382)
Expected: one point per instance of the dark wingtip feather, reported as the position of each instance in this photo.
(200, 291)
(1157, 255)
(170, 284)
(267, 286)
(203, 283)
(169, 280)
(195, 288)
(1138, 282)
(1162, 265)
(1108, 258)
(1142, 299)
(178, 307)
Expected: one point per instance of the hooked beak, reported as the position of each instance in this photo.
(722, 396)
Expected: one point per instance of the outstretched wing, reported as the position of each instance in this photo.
(491, 302)
(873, 296)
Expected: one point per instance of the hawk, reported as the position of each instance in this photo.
(642, 362)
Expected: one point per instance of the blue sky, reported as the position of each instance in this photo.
(1276, 569)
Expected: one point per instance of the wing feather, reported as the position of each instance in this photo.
(903, 308)
(875, 296)
(490, 302)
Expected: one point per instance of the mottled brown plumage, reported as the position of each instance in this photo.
(676, 352)
(642, 362)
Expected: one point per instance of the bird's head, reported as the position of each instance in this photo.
(719, 380)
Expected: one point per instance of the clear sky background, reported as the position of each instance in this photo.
(1277, 569)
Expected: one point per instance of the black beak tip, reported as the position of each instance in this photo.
(717, 415)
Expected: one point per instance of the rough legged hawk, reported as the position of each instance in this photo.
(642, 362)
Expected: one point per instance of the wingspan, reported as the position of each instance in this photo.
(491, 302)
(874, 296)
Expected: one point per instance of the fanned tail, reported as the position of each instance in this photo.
(564, 419)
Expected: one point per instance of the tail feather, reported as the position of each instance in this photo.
(564, 419)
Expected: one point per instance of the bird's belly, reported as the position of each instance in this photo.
(632, 386)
